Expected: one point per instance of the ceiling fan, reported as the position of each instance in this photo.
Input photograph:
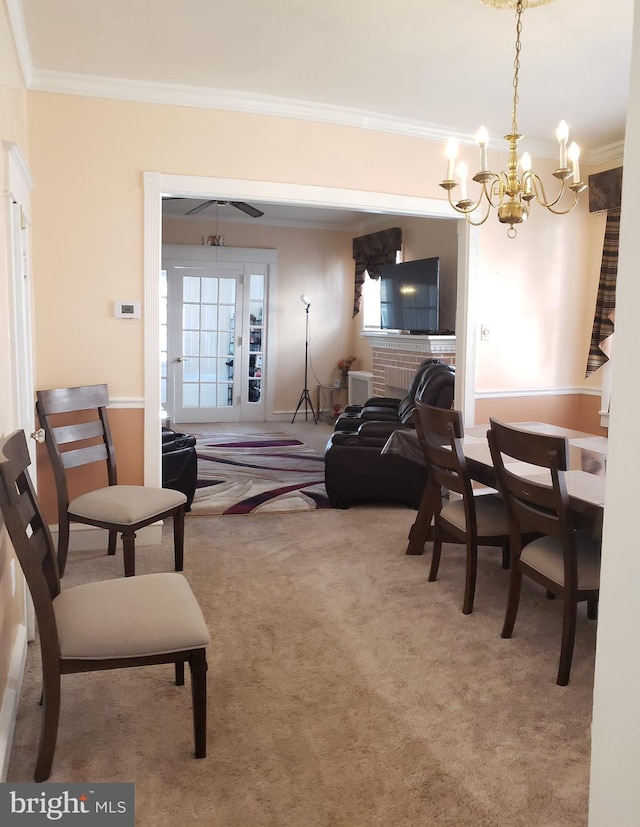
(239, 205)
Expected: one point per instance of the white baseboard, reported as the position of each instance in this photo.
(86, 537)
(11, 699)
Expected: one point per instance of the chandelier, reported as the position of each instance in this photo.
(510, 192)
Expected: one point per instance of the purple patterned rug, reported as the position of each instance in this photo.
(245, 473)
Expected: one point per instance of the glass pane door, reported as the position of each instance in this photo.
(204, 304)
(213, 333)
(256, 337)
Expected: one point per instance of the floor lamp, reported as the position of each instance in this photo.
(304, 396)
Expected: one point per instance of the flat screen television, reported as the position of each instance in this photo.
(410, 295)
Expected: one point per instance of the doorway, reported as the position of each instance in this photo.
(214, 351)
(157, 185)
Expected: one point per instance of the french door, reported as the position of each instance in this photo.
(213, 335)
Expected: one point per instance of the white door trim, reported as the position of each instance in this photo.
(156, 184)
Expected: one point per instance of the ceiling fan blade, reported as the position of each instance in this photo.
(252, 211)
(201, 207)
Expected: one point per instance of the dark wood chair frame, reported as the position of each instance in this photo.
(440, 433)
(34, 548)
(71, 445)
(546, 509)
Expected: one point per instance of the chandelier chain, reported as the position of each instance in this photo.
(516, 67)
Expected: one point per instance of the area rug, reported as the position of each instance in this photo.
(254, 473)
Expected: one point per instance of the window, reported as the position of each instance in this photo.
(371, 302)
(371, 299)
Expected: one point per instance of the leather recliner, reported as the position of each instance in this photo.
(179, 463)
(356, 470)
(385, 408)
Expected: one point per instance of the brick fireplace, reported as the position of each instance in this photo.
(396, 358)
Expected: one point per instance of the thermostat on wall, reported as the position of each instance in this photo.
(127, 310)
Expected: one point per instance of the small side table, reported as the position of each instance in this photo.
(328, 396)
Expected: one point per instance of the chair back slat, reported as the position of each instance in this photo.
(29, 534)
(543, 505)
(67, 400)
(83, 456)
(440, 432)
(78, 431)
(63, 413)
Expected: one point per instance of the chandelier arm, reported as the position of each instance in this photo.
(482, 220)
(565, 211)
(502, 181)
(541, 196)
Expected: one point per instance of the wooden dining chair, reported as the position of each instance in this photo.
(473, 520)
(110, 624)
(77, 433)
(564, 561)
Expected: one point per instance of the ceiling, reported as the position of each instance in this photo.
(421, 67)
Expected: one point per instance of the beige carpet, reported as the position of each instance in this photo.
(344, 690)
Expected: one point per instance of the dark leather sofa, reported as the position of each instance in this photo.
(355, 469)
(385, 408)
(179, 463)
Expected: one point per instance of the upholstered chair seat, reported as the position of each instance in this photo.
(156, 614)
(124, 504)
(546, 556)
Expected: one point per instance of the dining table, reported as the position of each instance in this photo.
(585, 475)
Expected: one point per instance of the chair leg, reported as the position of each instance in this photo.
(63, 544)
(568, 638)
(592, 608)
(178, 538)
(179, 673)
(513, 601)
(435, 554)
(50, 720)
(113, 539)
(198, 667)
(506, 556)
(129, 549)
(470, 579)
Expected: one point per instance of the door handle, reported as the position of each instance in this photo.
(38, 435)
(180, 359)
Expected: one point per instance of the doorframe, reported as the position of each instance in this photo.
(19, 185)
(157, 184)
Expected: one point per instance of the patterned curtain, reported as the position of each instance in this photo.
(606, 301)
(370, 253)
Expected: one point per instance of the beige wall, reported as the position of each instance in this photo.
(319, 263)
(88, 156)
(315, 262)
(13, 129)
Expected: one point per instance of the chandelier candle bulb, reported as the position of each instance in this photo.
(482, 137)
(562, 133)
(451, 151)
(462, 173)
(574, 155)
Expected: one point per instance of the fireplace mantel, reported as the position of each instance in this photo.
(397, 355)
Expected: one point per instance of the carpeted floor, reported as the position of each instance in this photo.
(344, 689)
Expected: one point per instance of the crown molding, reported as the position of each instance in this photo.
(247, 103)
(19, 30)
